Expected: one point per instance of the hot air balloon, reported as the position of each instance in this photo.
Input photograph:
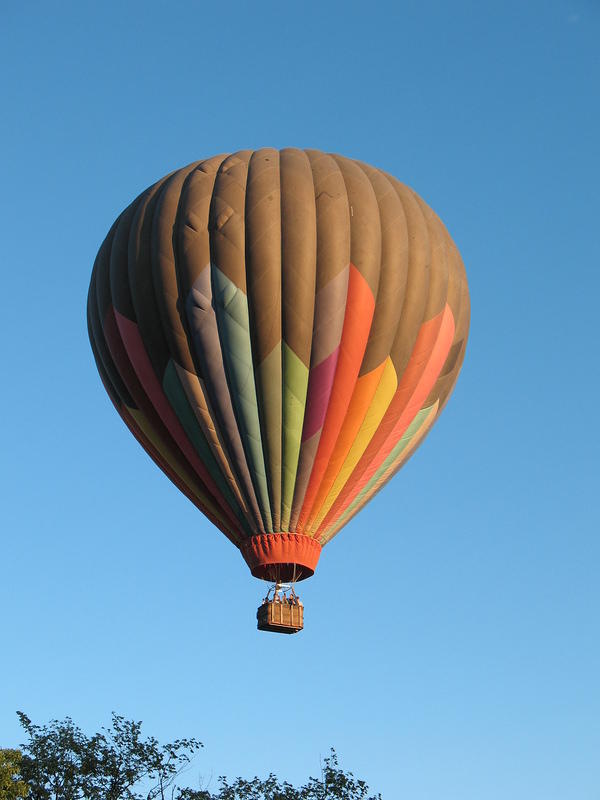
(279, 330)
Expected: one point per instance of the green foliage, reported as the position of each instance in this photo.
(334, 784)
(62, 763)
(59, 762)
(11, 785)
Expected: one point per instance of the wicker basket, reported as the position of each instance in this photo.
(280, 617)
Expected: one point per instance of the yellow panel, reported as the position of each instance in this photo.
(386, 389)
(383, 476)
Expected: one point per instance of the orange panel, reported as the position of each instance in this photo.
(360, 305)
(427, 359)
(362, 396)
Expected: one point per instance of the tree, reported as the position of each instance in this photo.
(334, 784)
(59, 762)
(11, 785)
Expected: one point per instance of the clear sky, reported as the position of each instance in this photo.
(451, 649)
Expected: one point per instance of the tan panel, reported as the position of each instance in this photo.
(191, 236)
(95, 323)
(438, 277)
(263, 276)
(193, 272)
(394, 271)
(163, 270)
(263, 252)
(299, 251)
(417, 283)
(460, 303)
(333, 259)
(226, 220)
(365, 228)
(272, 234)
(141, 285)
(229, 280)
(333, 218)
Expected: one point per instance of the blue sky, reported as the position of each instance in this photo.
(451, 648)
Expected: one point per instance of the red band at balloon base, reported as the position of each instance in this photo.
(281, 556)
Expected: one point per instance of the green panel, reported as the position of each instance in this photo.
(295, 384)
(231, 308)
(269, 380)
(181, 406)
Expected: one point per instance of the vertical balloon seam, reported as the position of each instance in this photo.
(109, 375)
(163, 260)
(233, 324)
(195, 396)
(116, 270)
(450, 380)
(357, 439)
(148, 439)
(415, 279)
(262, 229)
(392, 411)
(403, 457)
(357, 321)
(146, 314)
(446, 379)
(193, 383)
(360, 306)
(455, 301)
(201, 319)
(106, 301)
(345, 516)
(217, 390)
(252, 424)
(100, 346)
(416, 297)
(411, 409)
(119, 324)
(177, 380)
(295, 369)
(228, 335)
(362, 402)
(329, 311)
(358, 407)
(356, 430)
(331, 291)
(175, 392)
(385, 390)
(320, 383)
(422, 371)
(96, 325)
(449, 375)
(151, 387)
(358, 458)
(168, 384)
(111, 314)
(418, 389)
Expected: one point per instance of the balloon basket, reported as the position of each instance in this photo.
(280, 614)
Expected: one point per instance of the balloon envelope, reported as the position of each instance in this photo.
(279, 330)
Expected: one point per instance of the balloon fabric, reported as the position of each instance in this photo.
(279, 330)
